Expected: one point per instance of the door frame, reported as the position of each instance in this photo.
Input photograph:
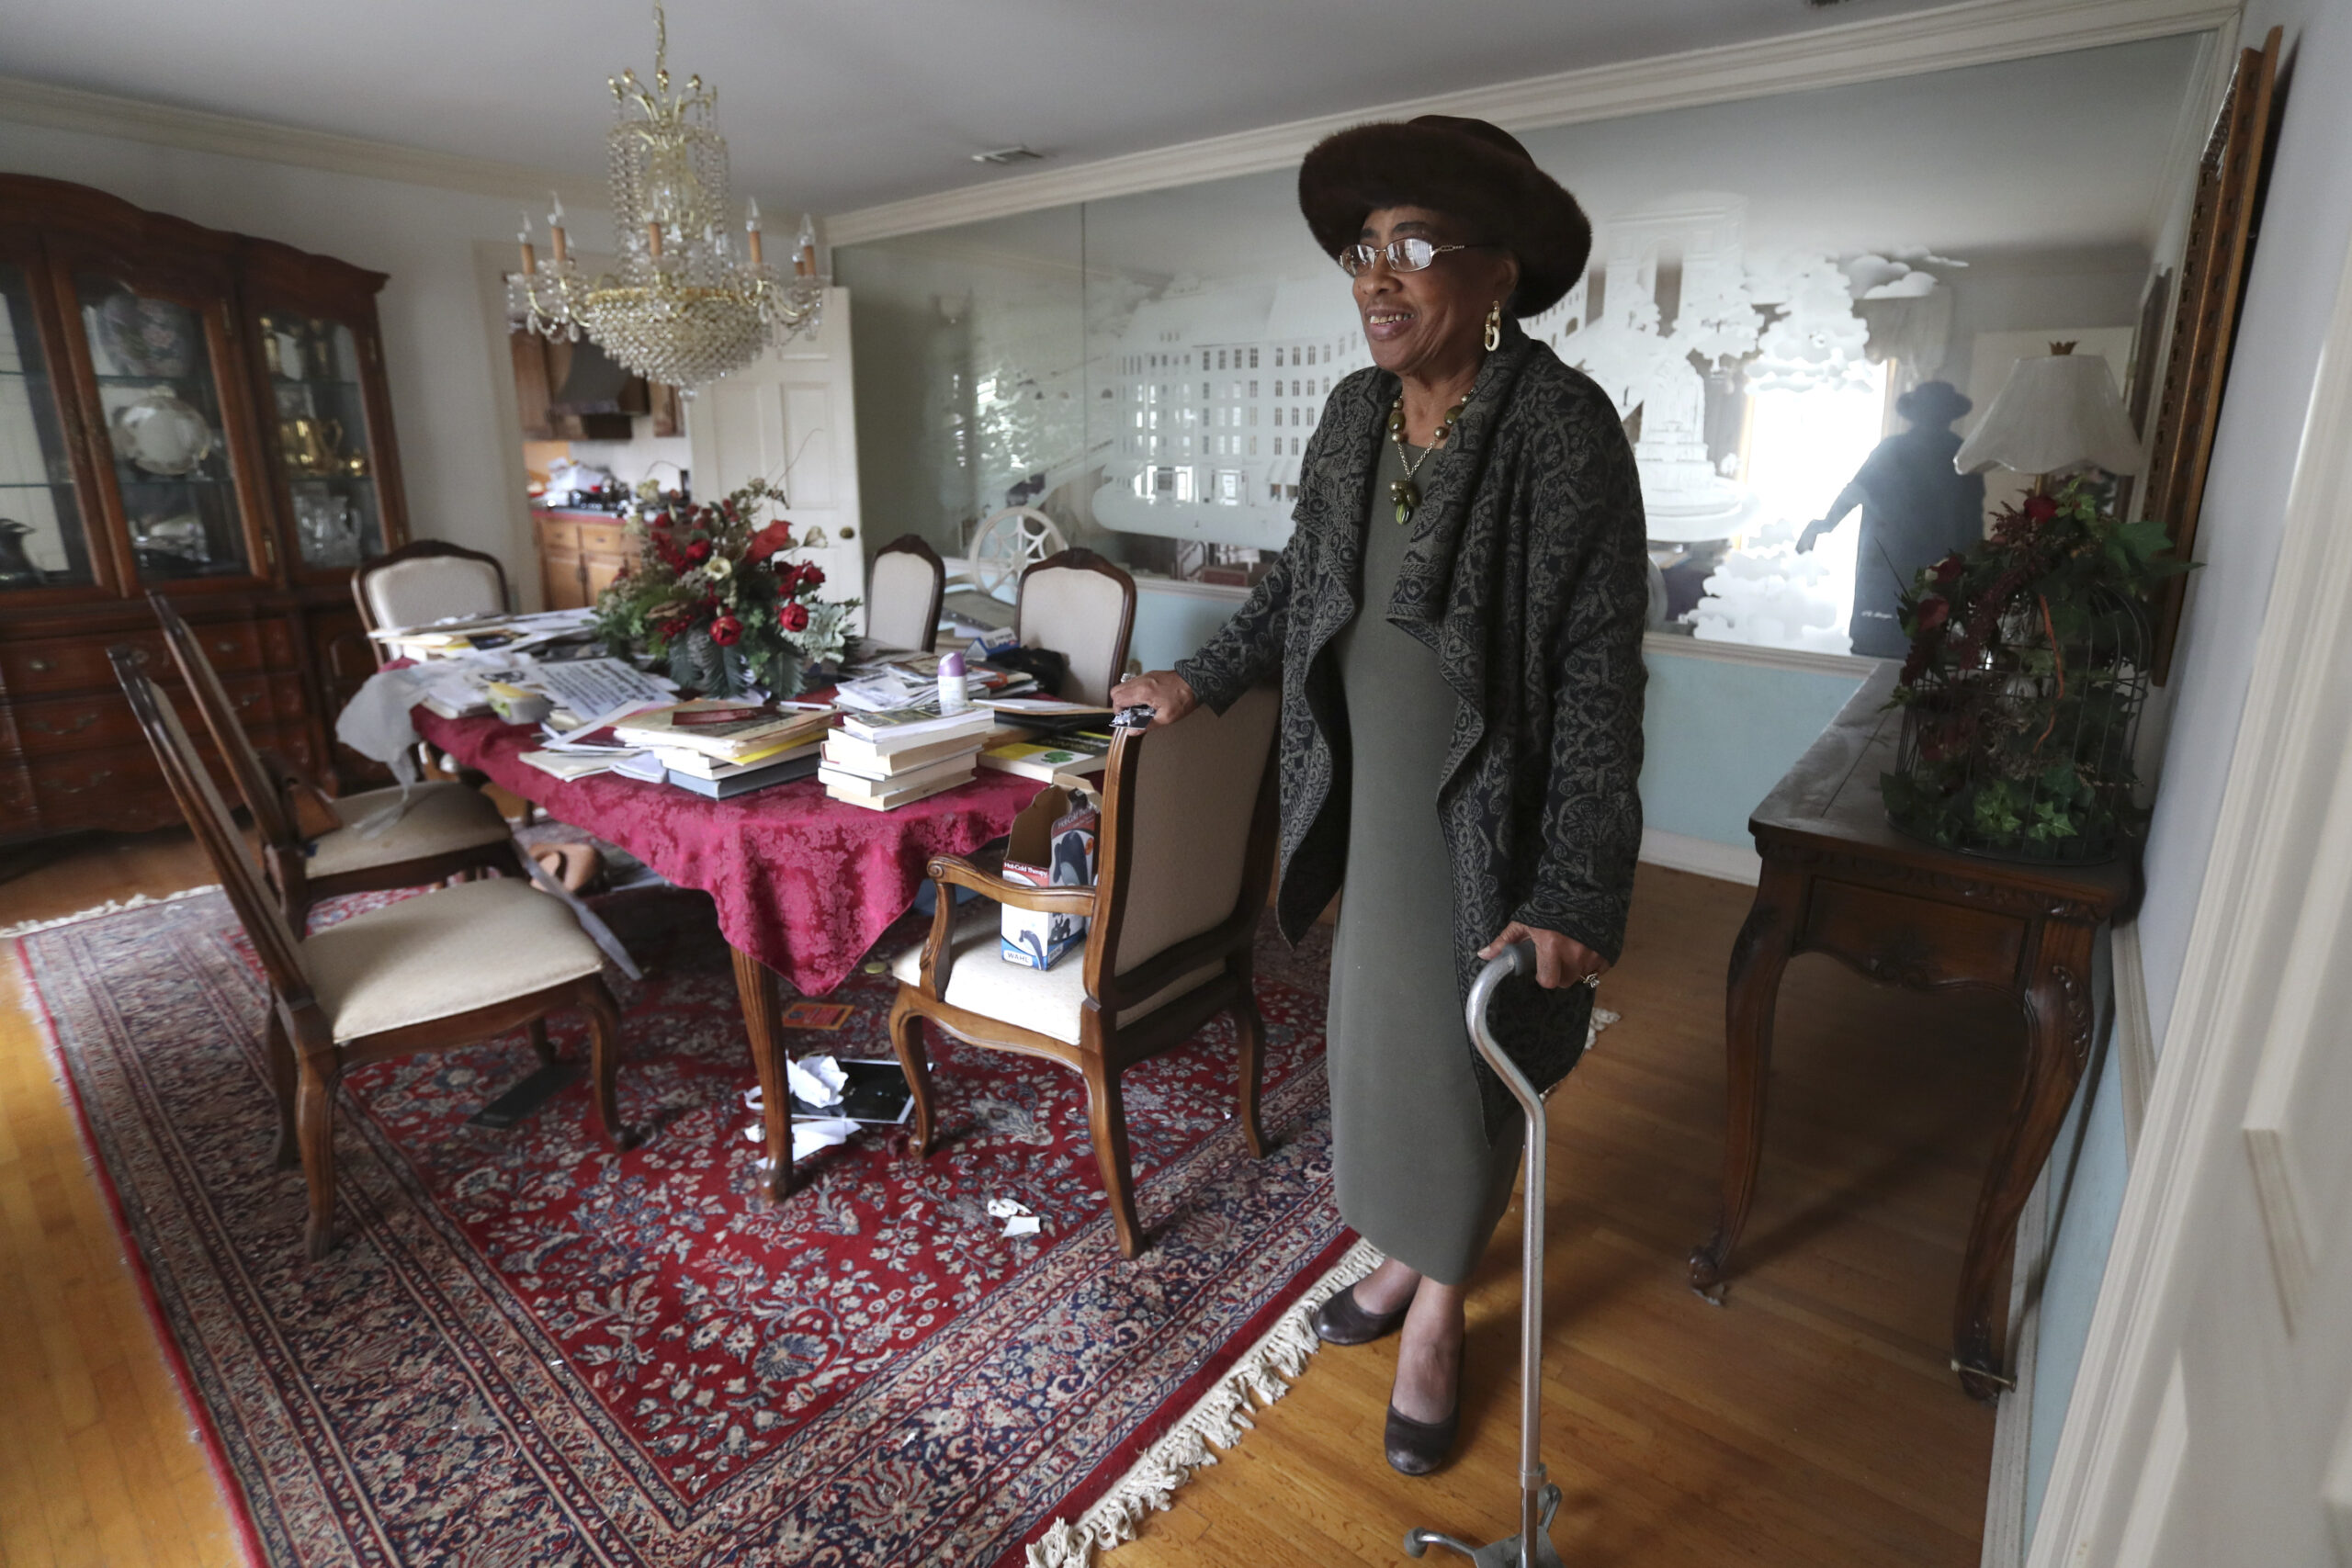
(2235, 981)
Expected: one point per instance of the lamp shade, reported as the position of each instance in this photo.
(2054, 413)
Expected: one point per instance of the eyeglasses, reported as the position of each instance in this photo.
(1403, 256)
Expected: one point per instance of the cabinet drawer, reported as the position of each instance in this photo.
(1913, 941)
(610, 538)
(558, 533)
(77, 723)
(72, 665)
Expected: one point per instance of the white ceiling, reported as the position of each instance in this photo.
(832, 106)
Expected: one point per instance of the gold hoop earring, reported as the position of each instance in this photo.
(1494, 326)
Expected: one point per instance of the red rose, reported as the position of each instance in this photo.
(726, 631)
(1934, 611)
(1949, 568)
(793, 617)
(698, 552)
(812, 577)
(659, 521)
(2041, 508)
(769, 542)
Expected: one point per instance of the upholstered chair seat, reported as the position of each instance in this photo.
(1049, 1001)
(452, 952)
(442, 819)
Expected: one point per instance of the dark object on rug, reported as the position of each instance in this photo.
(526, 1098)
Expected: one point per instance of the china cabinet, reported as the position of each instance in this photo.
(183, 411)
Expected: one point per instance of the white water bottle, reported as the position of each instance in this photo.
(955, 692)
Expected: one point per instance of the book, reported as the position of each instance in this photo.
(744, 781)
(730, 739)
(846, 753)
(957, 767)
(896, 797)
(680, 760)
(1044, 760)
(894, 729)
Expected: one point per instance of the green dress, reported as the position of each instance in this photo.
(1416, 1175)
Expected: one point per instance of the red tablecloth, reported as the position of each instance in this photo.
(803, 884)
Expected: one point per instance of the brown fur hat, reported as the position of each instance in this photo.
(1467, 168)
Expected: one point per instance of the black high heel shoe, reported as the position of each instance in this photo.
(1340, 1321)
(1417, 1447)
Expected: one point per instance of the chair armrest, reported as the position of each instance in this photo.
(955, 870)
(958, 872)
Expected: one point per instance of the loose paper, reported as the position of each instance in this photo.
(821, 1132)
(600, 685)
(817, 1080)
(1020, 1225)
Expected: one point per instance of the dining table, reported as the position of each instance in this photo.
(804, 884)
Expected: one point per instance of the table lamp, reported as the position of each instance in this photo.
(2054, 414)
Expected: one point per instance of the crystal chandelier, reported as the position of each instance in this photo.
(684, 308)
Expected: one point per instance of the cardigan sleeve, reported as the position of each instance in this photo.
(1248, 651)
(1583, 884)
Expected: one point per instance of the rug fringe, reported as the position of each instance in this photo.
(111, 907)
(1217, 1417)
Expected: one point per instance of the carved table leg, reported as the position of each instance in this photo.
(2058, 1043)
(763, 1018)
(1757, 957)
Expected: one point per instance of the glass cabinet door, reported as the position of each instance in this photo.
(324, 446)
(42, 541)
(159, 398)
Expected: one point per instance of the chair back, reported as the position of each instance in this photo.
(1083, 607)
(428, 580)
(904, 589)
(207, 817)
(1187, 846)
(253, 778)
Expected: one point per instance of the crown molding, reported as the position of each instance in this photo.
(1976, 32)
(232, 136)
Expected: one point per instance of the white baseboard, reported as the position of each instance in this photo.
(1702, 857)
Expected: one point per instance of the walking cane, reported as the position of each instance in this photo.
(1539, 1499)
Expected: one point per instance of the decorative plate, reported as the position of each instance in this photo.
(157, 432)
(147, 337)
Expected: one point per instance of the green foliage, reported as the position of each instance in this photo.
(2023, 683)
(716, 597)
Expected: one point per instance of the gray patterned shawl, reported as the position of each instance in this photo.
(1525, 575)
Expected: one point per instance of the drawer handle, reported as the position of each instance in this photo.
(39, 666)
(79, 725)
(224, 645)
(103, 776)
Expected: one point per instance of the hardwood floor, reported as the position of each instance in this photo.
(1810, 1421)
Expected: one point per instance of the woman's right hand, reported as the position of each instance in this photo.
(1167, 694)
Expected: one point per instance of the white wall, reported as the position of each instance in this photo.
(453, 406)
(2306, 225)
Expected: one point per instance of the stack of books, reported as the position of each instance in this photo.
(722, 749)
(882, 761)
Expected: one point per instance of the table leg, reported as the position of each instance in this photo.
(1757, 957)
(763, 1018)
(2058, 1044)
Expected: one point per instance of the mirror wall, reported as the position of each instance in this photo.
(1798, 303)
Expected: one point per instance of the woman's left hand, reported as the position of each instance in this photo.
(1559, 959)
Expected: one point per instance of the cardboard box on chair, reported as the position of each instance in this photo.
(1052, 845)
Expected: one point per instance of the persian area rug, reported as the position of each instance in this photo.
(527, 1350)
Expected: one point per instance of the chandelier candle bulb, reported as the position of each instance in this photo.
(555, 228)
(654, 240)
(530, 256)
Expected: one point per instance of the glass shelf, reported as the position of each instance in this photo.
(42, 539)
(313, 366)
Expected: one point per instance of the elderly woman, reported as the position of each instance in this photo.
(1457, 626)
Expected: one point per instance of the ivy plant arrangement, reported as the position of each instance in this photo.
(717, 599)
(2021, 694)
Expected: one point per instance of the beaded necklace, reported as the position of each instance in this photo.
(1403, 494)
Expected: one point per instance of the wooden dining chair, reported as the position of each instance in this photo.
(448, 830)
(424, 580)
(1187, 849)
(432, 972)
(904, 589)
(1083, 607)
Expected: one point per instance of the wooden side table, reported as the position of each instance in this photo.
(1839, 879)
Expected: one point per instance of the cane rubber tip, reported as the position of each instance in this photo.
(1414, 1544)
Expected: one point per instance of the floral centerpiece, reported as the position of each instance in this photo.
(2021, 694)
(717, 599)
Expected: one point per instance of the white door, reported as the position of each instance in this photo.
(2211, 1425)
(789, 418)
